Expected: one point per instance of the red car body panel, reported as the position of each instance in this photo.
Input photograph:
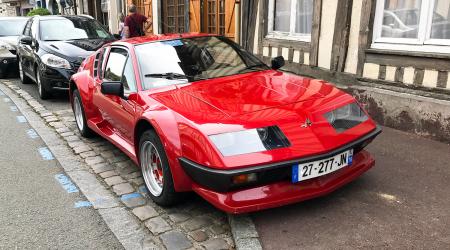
(184, 115)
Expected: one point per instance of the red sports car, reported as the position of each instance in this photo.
(198, 113)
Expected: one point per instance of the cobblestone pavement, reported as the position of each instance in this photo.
(194, 224)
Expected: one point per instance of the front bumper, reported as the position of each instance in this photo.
(56, 78)
(8, 65)
(221, 180)
(284, 192)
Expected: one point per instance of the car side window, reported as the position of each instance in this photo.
(27, 29)
(115, 65)
(128, 78)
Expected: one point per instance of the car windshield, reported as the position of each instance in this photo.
(183, 60)
(12, 27)
(72, 29)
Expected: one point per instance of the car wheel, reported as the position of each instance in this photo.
(80, 116)
(156, 171)
(23, 78)
(43, 92)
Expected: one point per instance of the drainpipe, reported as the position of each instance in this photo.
(237, 22)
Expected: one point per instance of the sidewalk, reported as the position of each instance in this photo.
(40, 207)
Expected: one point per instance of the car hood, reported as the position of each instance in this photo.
(235, 96)
(73, 50)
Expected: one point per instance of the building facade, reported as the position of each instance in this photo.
(394, 55)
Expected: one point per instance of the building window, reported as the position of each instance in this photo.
(416, 25)
(290, 19)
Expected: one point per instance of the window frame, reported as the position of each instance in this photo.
(104, 64)
(423, 42)
(291, 35)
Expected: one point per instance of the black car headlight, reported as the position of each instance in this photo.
(346, 117)
(250, 141)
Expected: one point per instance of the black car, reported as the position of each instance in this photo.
(51, 48)
(10, 29)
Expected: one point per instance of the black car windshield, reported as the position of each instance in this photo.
(72, 29)
(12, 27)
(183, 60)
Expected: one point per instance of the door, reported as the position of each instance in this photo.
(117, 111)
(175, 16)
(26, 52)
(218, 17)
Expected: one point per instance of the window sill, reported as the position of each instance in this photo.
(288, 43)
(408, 53)
(435, 51)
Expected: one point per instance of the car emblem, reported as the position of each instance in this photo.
(307, 123)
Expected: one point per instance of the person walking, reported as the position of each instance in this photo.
(135, 24)
(121, 25)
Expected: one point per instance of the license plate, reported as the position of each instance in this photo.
(309, 170)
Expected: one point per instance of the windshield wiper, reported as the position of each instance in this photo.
(168, 75)
(259, 65)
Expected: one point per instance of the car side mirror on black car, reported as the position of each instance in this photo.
(26, 40)
(277, 62)
(112, 88)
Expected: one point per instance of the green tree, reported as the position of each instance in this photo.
(39, 11)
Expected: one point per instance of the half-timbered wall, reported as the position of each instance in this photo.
(343, 46)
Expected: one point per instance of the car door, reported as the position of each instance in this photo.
(119, 112)
(25, 51)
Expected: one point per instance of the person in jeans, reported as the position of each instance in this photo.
(135, 24)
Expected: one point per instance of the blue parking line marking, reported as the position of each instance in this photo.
(46, 154)
(6, 99)
(80, 204)
(130, 196)
(143, 189)
(66, 183)
(32, 134)
(21, 119)
(13, 108)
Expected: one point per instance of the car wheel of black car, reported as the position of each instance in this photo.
(156, 171)
(80, 116)
(23, 78)
(43, 92)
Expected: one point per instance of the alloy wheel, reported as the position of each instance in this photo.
(78, 113)
(20, 70)
(152, 169)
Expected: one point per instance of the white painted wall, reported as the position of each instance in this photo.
(351, 63)
(329, 8)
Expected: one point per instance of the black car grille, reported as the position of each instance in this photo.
(75, 66)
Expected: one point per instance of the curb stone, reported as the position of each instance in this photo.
(101, 156)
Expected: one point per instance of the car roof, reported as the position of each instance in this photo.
(14, 18)
(162, 37)
(55, 17)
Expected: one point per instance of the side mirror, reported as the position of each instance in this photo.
(112, 88)
(26, 40)
(117, 36)
(277, 62)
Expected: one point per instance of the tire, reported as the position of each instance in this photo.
(44, 94)
(23, 78)
(80, 115)
(167, 195)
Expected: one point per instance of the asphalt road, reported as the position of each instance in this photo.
(402, 203)
(36, 211)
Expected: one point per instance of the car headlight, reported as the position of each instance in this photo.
(6, 46)
(250, 141)
(55, 61)
(346, 117)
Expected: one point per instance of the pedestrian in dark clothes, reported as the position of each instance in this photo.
(135, 23)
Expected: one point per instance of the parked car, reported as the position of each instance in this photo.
(197, 112)
(404, 23)
(10, 29)
(51, 48)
